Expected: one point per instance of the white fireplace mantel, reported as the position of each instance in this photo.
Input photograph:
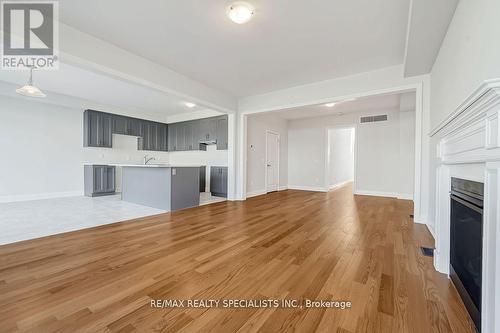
(469, 147)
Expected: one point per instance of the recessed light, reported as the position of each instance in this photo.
(240, 12)
(330, 105)
(190, 105)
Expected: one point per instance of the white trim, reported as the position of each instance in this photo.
(39, 196)
(327, 153)
(470, 136)
(266, 161)
(307, 188)
(376, 193)
(262, 192)
(339, 185)
(418, 87)
(256, 193)
(467, 108)
(405, 196)
(431, 230)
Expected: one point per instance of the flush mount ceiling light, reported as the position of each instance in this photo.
(240, 12)
(330, 105)
(190, 105)
(30, 90)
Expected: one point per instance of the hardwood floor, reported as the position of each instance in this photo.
(292, 245)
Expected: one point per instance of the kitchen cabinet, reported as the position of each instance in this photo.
(134, 127)
(154, 136)
(97, 129)
(203, 178)
(181, 137)
(218, 181)
(162, 137)
(120, 125)
(172, 137)
(207, 129)
(99, 180)
(221, 132)
(187, 135)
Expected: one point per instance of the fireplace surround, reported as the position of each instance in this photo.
(468, 148)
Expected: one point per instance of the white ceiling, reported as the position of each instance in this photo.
(365, 104)
(287, 43)
(429, 21)
(86, 85)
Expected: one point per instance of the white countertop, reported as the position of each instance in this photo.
(148, 165)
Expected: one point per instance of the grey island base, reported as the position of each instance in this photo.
(164, 187)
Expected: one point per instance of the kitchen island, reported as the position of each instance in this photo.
(166, 187)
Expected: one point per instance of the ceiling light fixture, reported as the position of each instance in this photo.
(240, 12)
(330, 105)
(30, 90)
(190, 105)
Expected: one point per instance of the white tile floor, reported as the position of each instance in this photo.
(206, 198)
(32, 219)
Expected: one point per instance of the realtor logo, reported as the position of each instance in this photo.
(30, 34)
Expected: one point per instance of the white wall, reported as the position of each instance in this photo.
(257, 125)
(379, 164)
(406, 154)
(341, 156)
(469, 54)
(43, 151)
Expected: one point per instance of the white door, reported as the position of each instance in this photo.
(272, 159)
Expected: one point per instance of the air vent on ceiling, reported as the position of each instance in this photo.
(371, 119)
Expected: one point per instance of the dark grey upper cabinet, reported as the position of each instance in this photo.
(187, 135)
(134, 127)
(208, 129)
(127, 126)
(154, 136)
(97, 129)
(180, 139)
(120, 125)
(162, 137)
(222, 133)
(172, 137)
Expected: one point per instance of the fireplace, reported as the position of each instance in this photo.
(466, 243)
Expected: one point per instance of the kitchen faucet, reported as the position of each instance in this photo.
(147, 160)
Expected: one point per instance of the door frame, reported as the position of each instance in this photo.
(265, 162)
(327, 154)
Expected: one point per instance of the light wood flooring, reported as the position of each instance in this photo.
(292, 245)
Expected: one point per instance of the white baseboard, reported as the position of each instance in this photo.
(405, 196)
(255, 193)
(432, 231)
(307, 188)
(377, 193)
(338, 185)
(261, 192)
(402, 196)
(39, 196)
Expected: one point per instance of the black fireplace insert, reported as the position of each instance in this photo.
(466, 243)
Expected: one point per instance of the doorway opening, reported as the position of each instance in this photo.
(340, 157)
